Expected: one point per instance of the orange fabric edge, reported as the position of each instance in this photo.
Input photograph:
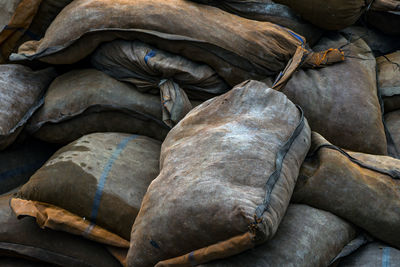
(220, 250)
(56, 218)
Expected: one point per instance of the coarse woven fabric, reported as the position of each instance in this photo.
(8, 8)
(341, 101)
(389, 80)
(85, 101)
(267, 10)
(392, 120)
(24, 239)
(331, 181)
(20, 92)
(387, 22)
(372, 255)
(320, 234)
(335, 14)
(236, 48)
(101, 177)
(215, 169)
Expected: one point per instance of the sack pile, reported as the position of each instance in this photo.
(199, 133)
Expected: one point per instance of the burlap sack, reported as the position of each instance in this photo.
(357, 187)
(24, 239)
(236, 48)
(92, 187)
(393, 124)
(20, 92)
(306, 237)
(154, 71)
(19, 162)
(25, 20)
(387, 22)
(341, 101)
(335, 14)
(87, 101)
(227, 173)
(266, 10)
(372, 255)
(389, 80)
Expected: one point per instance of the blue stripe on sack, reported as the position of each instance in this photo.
(297, 37)
(27, 32)
(386, 257)
(149, 55)
(104, 175)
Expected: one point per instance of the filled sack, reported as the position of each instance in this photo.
(21, 90)
(174, 77)
(267, 10)
(335, 14)
(20, 161)
(360, 188)
(321, 234)
(92, 187)
(341, 101)
(389, 80)
(236, 48)
(227, 173)
(23, 239)
(387, 22)
(85, 101)
(392, 120)
(372, 255)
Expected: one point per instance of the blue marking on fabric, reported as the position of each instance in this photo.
(149, 55)
(154, 244)
(32, 35)
(297, 37)
(192, 259)
(386, 257)
(104, 175)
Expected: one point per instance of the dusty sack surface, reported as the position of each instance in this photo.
(20, 92)
(320, 234)
(23, 238)
(389, 80)
(214, 168)
(86, 101)
(237, 48)
(101, 177)
(392, 120)
(341, 101)
(368, 198)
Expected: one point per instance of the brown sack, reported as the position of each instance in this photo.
(236, 48)
(392, 120)
(24, 239)
(335, 14)
(306, 237)
(372, 255)
(227, 173)
(266, 10)
(153, 70)
(357, 187)
(20, 92)
(341, 101)
(20, 161)
(87, 101)
(92, 187)
(389, 80)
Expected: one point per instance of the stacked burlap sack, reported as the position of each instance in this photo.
(199, 133)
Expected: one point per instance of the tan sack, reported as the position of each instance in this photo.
(85, 101)
(24, 239)
(306, 237)
(341, 101)
(92, 187)
(236, 48)
(227, 173)
(389, 80)
(21, 90)
(360, 188)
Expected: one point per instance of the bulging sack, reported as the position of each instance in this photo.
(152, 70)
(24, 239)
(341, 101)
(236, 48)
(387, 22)
(392, 120)
(389, 80)
(227, 173)
(20, 92)
(321, 234)
(92, 187)
(335, 14)
(360, 188)
(87, 101)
